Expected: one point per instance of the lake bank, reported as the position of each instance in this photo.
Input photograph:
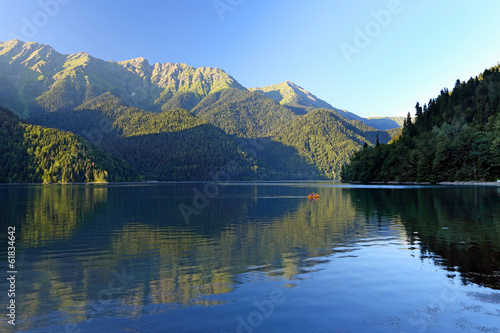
(471, 183)
(153, 182)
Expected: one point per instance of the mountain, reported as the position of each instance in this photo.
(456, 137)
(176, 122)
(169, 145)
(243, 113)
(326, 139)
(45, 155)
(384, 123)
(380, 123)
(302, 101)
(388, 122)
(293, 96)
(37, 79)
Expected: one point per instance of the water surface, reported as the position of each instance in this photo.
(253, 257)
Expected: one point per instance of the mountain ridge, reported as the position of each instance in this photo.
(41, 75)
(301, 101)
(290, 94)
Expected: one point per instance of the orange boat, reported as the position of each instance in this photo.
(313, 196)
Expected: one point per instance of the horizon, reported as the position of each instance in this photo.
(381, 58)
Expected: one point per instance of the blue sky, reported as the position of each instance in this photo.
(373, 58)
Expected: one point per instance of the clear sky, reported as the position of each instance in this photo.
(370, 57)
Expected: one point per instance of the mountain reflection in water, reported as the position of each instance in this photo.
(126, 250)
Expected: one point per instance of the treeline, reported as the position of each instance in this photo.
(455, 137)
(35, 154)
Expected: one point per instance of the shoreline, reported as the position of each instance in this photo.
(174, 182)
(471, 183)
(457, 183)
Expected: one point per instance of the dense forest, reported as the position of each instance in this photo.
(324, 138)
(243, 113)
(30, 153)
(455, 137)
(177, 145)
(170, 145)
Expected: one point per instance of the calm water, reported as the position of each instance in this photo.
(252, 257)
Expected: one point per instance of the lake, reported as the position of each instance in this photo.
(252, 257)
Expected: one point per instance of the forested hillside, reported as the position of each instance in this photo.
(327, 140)
(455, 137)
(243, 113)
(36, 154)
(170, 145)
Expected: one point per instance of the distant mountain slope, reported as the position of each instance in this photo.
(302, 101)
(170, 145)
(243, 113)
(291, 95)
(327, 140)
(41, 80)
(380, 123)
(37, 79)
(384, 123)
(37, 154)
(395, 132)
